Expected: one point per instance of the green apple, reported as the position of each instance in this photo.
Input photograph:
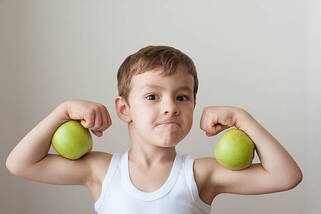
(235, 150)
(71, 140)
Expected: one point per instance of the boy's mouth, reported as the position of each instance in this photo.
(168, 123)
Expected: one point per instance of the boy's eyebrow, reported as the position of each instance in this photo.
(183, 88)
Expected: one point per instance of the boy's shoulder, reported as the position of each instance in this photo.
(203, 169)
(205, 166)
(212, 178)
(99, 163)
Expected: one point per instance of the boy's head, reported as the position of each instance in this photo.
(157, 89)
(154, 57)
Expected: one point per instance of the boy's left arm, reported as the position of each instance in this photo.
(277, 171)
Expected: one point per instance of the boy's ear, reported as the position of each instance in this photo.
(122, 109)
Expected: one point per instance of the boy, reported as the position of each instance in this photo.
(157, 96)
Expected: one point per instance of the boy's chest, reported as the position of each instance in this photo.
(148, 180)
(151, 180)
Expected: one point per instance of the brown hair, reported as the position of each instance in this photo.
(151, 57)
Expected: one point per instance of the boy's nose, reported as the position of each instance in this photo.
(170, 108)
(172, 112)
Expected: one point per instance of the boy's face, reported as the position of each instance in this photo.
(155, 100)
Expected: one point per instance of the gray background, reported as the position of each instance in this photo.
(263, 56)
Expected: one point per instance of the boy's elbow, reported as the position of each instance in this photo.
(12, 168)
(298, 179)
(294, 180)
(9, 167)
(12, 171)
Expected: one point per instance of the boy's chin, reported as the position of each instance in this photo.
(167, 144)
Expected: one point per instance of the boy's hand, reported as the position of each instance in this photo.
(218, 118)
(93, 116)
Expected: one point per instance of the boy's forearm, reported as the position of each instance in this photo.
(35, 145)
(274, 158)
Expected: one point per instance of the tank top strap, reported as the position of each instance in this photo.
(192, 186)
(113, 166)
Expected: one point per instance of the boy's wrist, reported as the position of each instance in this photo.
(62, 111)
(241, 116)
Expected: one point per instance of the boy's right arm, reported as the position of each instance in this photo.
(30, 158)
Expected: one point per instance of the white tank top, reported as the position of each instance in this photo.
(177, 195)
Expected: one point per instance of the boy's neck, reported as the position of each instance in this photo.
(149, 155)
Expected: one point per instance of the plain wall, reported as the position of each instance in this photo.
(263, 56)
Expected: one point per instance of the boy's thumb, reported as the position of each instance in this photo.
(83, 123)
(98, 133)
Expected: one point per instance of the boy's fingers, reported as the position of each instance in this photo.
(83, 123)
(88, 121)
(106, 117)
(218, 129)
(98, 121)
(98, 133)
(215, 129)
(209, 134)
(109, 118)
(104, 121)
(204, 122)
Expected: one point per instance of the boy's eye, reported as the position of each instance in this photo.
(180, 98)
(151, 97)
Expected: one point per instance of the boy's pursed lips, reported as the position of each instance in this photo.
(168, 122)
